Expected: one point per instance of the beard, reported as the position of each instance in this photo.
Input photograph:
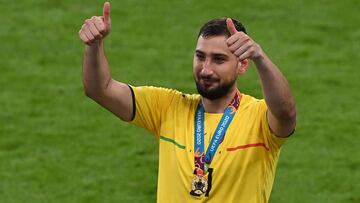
(214, 93)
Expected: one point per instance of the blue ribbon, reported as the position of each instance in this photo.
(216, 139)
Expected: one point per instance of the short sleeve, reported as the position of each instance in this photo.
(273, 140)
(150, 104)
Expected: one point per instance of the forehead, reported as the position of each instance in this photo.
(213, 44)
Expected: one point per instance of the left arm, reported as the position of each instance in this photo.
(278, 97)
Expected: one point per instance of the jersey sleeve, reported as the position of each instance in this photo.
(274, 141)
(149, 106)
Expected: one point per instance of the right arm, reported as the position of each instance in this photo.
(98, 84)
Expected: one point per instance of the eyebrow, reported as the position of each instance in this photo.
(213, 54)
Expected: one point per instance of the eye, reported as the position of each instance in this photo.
(201, 57)
(219, 60)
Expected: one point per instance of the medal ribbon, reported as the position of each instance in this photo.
(202, 161)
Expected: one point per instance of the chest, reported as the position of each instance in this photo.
(243, 141)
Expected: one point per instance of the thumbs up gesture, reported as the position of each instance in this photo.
(96, 28)
(241, 44)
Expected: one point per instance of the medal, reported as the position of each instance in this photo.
(200, 185)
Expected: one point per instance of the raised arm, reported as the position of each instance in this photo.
(98, 84)
(278, 97)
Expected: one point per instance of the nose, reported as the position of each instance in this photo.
(206, 68)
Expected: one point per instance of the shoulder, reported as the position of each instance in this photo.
(248, 101)
(163, 93)
(252, 108)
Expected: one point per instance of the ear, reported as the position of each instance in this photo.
(243, 66)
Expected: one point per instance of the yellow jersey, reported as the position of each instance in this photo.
(244, 164)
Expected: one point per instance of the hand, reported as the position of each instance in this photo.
(96, 28)
(241, 44)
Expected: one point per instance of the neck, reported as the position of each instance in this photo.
(218, 105)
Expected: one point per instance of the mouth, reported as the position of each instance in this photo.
(208, 81)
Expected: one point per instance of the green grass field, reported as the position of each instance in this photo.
(56, 145)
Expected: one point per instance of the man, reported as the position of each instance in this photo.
(219, 146)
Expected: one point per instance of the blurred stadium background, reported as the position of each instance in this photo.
(56, 145)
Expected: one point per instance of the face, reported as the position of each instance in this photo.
(215, 68)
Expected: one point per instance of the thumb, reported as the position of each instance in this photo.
(230, 26)
(106, 12)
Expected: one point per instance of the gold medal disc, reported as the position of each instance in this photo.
(199, 185)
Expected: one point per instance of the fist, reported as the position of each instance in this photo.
(241, 44)
(96, 28)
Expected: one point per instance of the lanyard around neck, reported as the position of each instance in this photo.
(202, 161)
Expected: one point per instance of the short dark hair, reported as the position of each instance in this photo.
(218, 27)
